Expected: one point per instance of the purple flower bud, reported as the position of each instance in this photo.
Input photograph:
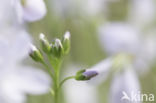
(90, 74)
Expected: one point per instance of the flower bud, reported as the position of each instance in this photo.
(35, 54)
(44, 44)
(66, 42)
(57, 48)
(83, 75)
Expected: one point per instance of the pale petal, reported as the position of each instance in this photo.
(10, 90)
(17, 83)
(119, 37)
(34, 10)
(31, 10)
(20, 46)
(14, 45)
(125, 81)
(4, 49)
(146, 58)
(18, 10)
(141, 12)
(33, 81)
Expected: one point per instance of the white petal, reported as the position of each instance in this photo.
(10, 91)
(20, 46)
(142, 12)
(19, 82)
(4, 49)
(145, 59)
(119, 37)
(14, 45)
(125, 81)
(33, 81)
(34, 10)
(18, 10)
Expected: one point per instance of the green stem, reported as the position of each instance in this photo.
(56, 83)
(64, 80)
(52, 92)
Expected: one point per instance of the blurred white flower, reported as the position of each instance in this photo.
(147, 55)
(79, 91)
(141, 12)
(123, 38)
(125, 81)
(29, 10)
(7, 16)
(17, 80)
(119, 37)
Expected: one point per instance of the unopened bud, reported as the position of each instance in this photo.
(83, 75)
(45, 44)
(66, 42)
(35, 54)
(57, 48)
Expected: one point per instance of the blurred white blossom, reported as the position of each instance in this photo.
(124, 38)
(119, 37)
(125, 81)
(7, 16)
(141, 12)
(29, 10)
(17, 80)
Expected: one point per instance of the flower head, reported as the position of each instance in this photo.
(30, 10)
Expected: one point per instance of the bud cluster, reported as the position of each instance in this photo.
(56, 49)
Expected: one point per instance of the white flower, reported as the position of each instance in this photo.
(7, 16)
(123, 38)
(29, 10)
(119, 37)
(17, 80)
(125, 81)
(147, 55)
(141, 12)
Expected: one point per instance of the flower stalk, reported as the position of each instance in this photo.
(55, 53)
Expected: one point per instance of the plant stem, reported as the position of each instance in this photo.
(56, 82)
(64, 80)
